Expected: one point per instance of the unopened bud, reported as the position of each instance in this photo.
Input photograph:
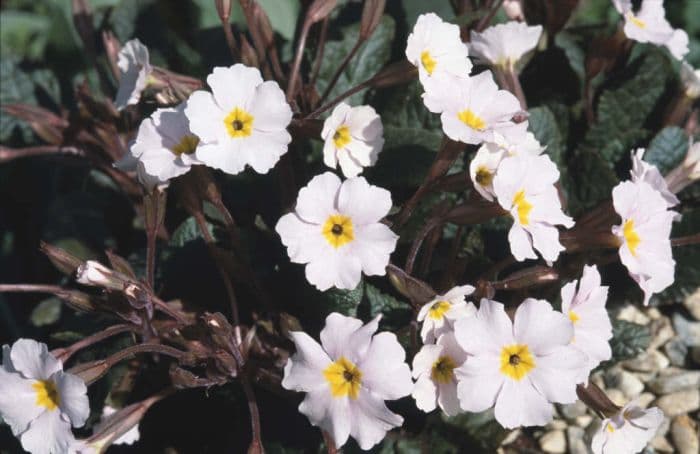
(414, 289)
(398, 73)
(96, 274)
(65, 262)
(531, 277)
(372, 11)
(91, 371)
(596, 399)
(223, 8)
(690, 78)
(248, 55)
(514, 10)
(77, 300)
(686, 172)
(82, 19)
(320, 9)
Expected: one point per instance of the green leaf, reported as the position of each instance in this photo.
(592, 180)
(369, 59)
(46, 312)
(23, 34)
(667, 149)
(481, 428)
(283, 16)
(45, 81)
(381, 303)
(629, 339)
(570, 44)
(543, 125)
(188, 231)
(623, 110)
(15, 86)
(687, 274)
(343, 301)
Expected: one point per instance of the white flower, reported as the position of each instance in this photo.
(649, 25)
(347, 379)
(38, 400)
(645, 247)
(482, 169)
(436, 48)
(242, 122)
(691, 80)
(165, 145)
(471, 109)
(642, 171)
(628, 431)
(504, 45)
(440, 314)
(353, 137)
(434, 370)
(135, 71)
(585, 308)
(335, 230)
(521, 367)
(524, 186)
(129, 438)
(513, 9)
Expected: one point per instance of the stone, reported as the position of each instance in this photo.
(684, 433)
(671, 383)
(625, 381)
(661, 332)
(631, 313)
(616, 396)
(676, 404)
(661, 444)
(597, 379)
(645, 399)
(572, 411)
(651, 361)
(653, 313)
(557, 424)
(688, 332)
(692, 303)
(584, 421)
(576, 441)
(553, 442)
(676, 351)
(695, 354)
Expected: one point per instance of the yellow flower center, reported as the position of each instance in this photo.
(338, 230)
(484, 176)
(472, 120)
(636, 21)
(187, 145)
(341, 137)
(427, 61)
(46, 394)
(239, 123)
(631, 236)
(438, 310)
(344, 378)
(610, 428)
(523, 206)
(516, 361)
(573, 316)
(443, 370)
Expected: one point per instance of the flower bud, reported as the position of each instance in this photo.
(691, 81)
(531, 277)
(414, 289)
(223, 8)
(91, 371)
(96, 274)
(64, 261)
(514, 10)
(320, 9)
(398, 73)
(686, 172)
(372, 11)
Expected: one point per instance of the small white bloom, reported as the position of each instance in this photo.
(436, 48)
(38, 400)
(436, 382)
(353, 137)
(129, 438)
(645, 247)
(129, 163)
(649, 25)
(628, 432)
(242, 122)
(165, 145)
(521, 367)
(135, 70)
(585, 308)
(691, 80)
(96, 274)
(440, 314)
(643, 171)
(514, 9)
(524, 186)
(482, 169)
(336, 230)
(471, 109)
(347, 379)
(504, 45)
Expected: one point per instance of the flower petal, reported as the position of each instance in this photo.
(74, 401)
(33, 360)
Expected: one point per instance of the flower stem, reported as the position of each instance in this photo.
(64, 354)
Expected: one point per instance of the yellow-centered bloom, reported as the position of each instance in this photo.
(471, 119)
(186, 145)
(239, 123)
(342, 137)
(428, 62)
(516, 361)
(46, 394)
(523, 206)
(344, 378)
(443, 370)
(338, 230)
(631, 236)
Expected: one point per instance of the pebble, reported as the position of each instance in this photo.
(576, 442)
(684, 433)
(676, 404)
(645, 399)
(572, 411)
(616, 396)
(695, 354)
(553, 442)
(671, 383)
(632, 314)
(584, 421)
(661, 332)
(653, 313)
(692, 303)
(676, 351)
(557, 424)
(651, 361)
(625, 381)
(688, 332)
(661, 444)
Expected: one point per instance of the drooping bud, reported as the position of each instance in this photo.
(223, 8)
(320, 9)
(686, 172)
(398, 73)
(65, 262)
(372, 11)
(596, 399)
(96, 274)
(414, 289)
(531, 277)
(91, 371)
